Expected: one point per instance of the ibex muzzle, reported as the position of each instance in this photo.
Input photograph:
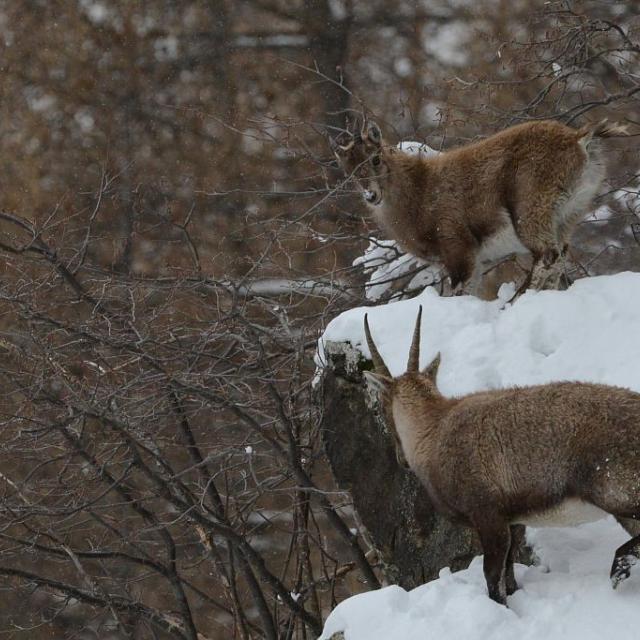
(548, 455)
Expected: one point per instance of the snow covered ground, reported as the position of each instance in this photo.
(567, 597)
(588, 333)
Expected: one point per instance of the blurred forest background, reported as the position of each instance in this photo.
(174, 235)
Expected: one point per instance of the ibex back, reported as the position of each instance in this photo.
(554, 454)
(521, 190)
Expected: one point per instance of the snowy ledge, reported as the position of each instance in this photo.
(587, 333)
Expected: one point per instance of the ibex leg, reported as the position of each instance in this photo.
(517, 536)
(625, 557)
(458, 249)
(495, 538)
(546, 271)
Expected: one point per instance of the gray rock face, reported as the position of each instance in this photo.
(413, 541)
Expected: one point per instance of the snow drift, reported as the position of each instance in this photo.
(587, 333)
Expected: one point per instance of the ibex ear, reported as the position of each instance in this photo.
(379, 383)
(373, 133)
(431, 371)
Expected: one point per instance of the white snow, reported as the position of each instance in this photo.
(384, 262)
(96, 11)
(417, 148)
(446, 43)
(629, 197)
(567, 596)
(603, 212)
(588, 333)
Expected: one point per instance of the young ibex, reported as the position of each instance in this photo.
(555, 454)
(521, 190)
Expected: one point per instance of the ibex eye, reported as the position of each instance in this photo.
(375, 161)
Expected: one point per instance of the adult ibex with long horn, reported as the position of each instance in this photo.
(549, 455)
(522, 190)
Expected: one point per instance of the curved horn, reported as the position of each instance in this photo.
(343, 142)
(413, 366)
(378, 362)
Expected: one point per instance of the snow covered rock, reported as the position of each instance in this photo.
(586, 333)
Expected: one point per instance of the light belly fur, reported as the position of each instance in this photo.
(578, 204)
(571, 512)
(403, 424)
(502, 243)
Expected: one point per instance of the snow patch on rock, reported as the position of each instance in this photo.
(587, 333)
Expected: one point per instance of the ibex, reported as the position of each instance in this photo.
(521, 190)
(554, 454)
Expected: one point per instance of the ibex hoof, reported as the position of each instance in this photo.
(621, 569)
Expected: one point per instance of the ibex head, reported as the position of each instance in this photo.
(412, 387)
(361, 156)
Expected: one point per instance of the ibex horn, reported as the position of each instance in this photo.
(413, 366)
(337, 143)
(378, 362)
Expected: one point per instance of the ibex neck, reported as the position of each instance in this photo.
(416, 422)
(405, 169)
(405, 213)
